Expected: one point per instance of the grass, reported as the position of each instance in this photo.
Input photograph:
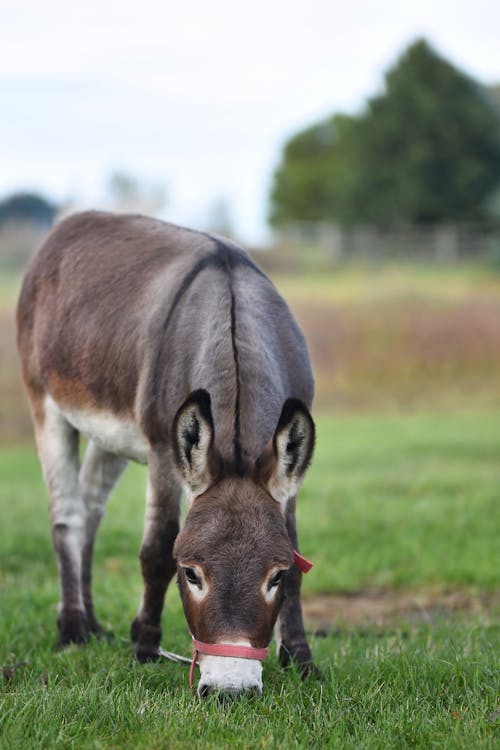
(425, 689)
(391, 502)
(354, 284)
(10, 284)
(404, 501)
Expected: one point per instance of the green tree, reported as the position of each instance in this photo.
(27, 207)
(426, 150)
(314, 177)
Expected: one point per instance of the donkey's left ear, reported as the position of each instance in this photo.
(193, 443)
(282, 466)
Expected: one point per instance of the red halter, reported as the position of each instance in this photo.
(231, 649)
(223, 649)
(302, 563)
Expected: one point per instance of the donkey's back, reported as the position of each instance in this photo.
(128, 315)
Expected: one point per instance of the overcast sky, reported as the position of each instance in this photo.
(200, 96)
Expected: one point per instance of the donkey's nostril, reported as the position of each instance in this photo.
(228, 694)
(204, 690)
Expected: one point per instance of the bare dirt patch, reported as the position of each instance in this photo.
(386, 608)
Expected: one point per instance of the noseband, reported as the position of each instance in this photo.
(223, 649)
(231, 649)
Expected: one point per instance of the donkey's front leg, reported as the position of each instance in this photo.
(157, 562)
(290, 632)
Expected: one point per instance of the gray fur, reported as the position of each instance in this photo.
(120, 319)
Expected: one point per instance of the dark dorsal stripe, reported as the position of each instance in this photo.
(226, 259)
(238, 459)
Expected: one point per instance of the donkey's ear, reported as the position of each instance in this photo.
(283, 464)
(192, 438)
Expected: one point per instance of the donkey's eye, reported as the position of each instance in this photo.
(192, 577)
(275, 580)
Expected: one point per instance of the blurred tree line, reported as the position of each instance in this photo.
(27, 207)
(426, 150)
(25, 217)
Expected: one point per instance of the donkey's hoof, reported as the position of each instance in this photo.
(146, 654)
(302, 658)
(146, 640)
(135, 630)
(309, 669)
(73, 628)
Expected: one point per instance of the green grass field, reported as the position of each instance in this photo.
(391, 503)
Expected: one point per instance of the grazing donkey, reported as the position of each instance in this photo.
(171, 347)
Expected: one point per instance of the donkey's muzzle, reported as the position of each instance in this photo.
(228, 669)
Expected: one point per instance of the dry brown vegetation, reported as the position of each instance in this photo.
(404, 353)
(379, 340)
(14, 415)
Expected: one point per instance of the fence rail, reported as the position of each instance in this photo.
(441, 244)
(308, 244)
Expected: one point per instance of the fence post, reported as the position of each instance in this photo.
(446, 244)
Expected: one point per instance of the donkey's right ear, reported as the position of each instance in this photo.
(282, 465)
(193, 439)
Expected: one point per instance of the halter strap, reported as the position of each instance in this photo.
(223, 649)
(301, 562)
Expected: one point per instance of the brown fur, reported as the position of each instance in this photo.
(236, 532)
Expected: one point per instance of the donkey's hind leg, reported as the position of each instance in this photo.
(290, 632)
(99, 473)
(57, 443)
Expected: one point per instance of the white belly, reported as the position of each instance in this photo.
(114, 434)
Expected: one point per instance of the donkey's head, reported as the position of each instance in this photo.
(234, 550)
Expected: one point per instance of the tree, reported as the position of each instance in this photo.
(306, 185)
(426, 150)
(27, 208)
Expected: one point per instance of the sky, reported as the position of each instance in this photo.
(200, 97)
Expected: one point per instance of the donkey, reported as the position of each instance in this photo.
(171, 347)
